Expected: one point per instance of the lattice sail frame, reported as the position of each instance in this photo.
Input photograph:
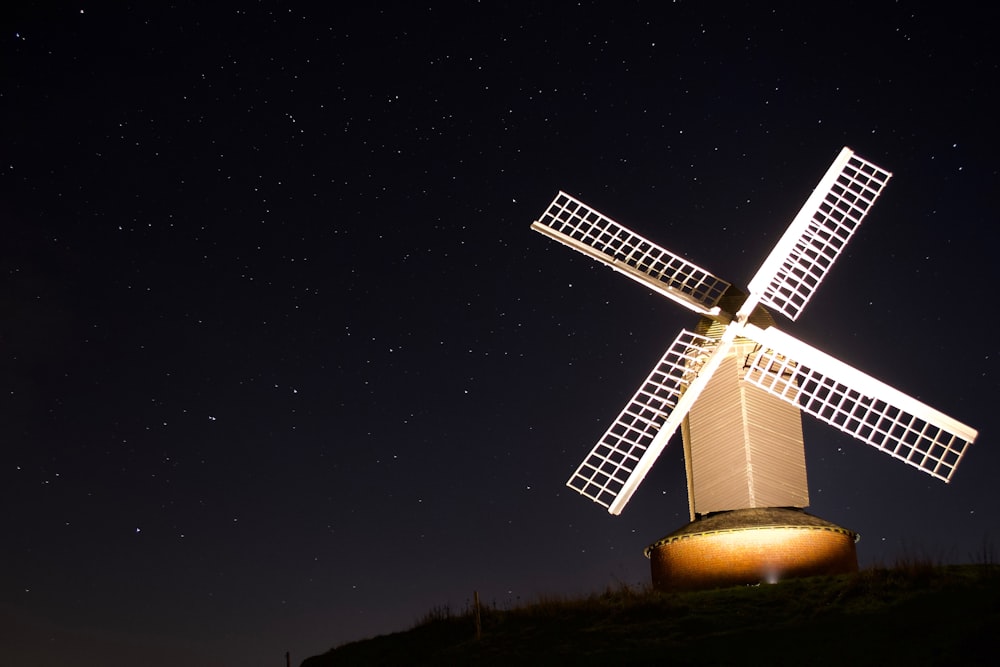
(876, 413)
(857, 404)
(804, 254)
(617, 464)
(573, 223)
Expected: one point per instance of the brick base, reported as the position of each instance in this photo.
(749, 547)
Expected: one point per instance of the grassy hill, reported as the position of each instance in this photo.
(907, 615)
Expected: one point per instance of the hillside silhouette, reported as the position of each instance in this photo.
(912, 614)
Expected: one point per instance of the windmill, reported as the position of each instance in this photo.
(736, 387)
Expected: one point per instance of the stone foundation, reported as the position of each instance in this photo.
(750, 546)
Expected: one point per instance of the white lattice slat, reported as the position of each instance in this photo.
(612, 463)
(816, 237)
(858, 404)
(580, 227)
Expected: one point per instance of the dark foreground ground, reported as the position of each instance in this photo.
(907, 615)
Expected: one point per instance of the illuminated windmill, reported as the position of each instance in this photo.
(736, 386)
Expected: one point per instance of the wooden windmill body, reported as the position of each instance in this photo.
(743, 446)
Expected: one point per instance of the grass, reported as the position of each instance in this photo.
(916, 612)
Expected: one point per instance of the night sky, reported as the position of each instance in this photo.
(283, 366)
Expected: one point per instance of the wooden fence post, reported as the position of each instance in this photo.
(476, 616)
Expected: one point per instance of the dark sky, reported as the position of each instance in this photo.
(283, 365)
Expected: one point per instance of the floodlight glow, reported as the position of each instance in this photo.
(786, 544)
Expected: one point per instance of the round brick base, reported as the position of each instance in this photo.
(750, 546)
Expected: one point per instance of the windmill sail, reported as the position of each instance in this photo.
(817, 235)
(620, 460)
(767, 443)
(580, 227)
(857, 404)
